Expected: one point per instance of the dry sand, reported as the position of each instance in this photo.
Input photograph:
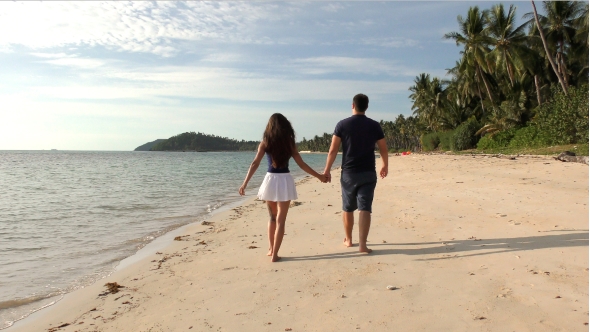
(469, 243)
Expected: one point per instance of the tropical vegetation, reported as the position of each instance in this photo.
(513, 85)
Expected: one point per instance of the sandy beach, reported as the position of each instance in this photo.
(469, 243)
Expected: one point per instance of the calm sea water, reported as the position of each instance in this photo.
(68, 218)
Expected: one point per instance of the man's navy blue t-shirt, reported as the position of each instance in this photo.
(359, 135)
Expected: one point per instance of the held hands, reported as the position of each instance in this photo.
(328, 176)
(322, 178)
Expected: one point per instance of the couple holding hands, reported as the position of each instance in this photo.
(358, 136)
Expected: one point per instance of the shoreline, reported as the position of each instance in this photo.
(158, 243)
(223, 236)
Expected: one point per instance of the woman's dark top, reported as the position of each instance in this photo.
(271, 169)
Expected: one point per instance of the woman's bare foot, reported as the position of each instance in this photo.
(365, 250)
(347, 243)
(275, 259)
(269, 252)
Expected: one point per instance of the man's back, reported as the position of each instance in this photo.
(359, 135)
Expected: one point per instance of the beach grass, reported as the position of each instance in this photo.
(578, 149)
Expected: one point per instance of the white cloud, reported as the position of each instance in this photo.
(165, 85)
(77, 62)
(332, 64)
(51, 55)
(333, 7)
(128, 26)
(394, 42)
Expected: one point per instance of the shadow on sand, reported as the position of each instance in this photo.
(463, 248)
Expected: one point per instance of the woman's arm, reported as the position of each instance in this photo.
(297, 157)
(253, 167)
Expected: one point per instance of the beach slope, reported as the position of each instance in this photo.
(467, 243)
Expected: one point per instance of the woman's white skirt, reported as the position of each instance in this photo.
(277, 187)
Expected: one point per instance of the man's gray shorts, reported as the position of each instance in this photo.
(358, 190)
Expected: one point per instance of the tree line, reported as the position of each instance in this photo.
(401, 135)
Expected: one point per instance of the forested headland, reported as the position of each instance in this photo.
(191, 141)
(513, 86)
(147, 146)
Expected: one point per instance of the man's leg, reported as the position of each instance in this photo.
(349, 203)
(364, 226)
(348, 221)
(365, 205)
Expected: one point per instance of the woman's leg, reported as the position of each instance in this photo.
(272, 225)
(282, 209)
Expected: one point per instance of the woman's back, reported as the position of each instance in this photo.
(278, 169)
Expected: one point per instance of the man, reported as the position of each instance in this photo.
(358, 135)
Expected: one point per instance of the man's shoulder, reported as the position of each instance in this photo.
(372, 121)
(345, 120)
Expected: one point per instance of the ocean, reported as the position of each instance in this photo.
(67, 218)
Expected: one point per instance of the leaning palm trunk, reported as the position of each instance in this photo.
(557, 72)
(509, 69)
(563, 64)
(485, 82)
(538, 89)
(483, 109)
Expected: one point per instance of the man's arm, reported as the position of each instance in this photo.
(384, 157)
(334, 147)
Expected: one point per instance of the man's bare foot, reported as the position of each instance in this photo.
(365, 250)
(275, 259)
(269, 252)
(347, 243)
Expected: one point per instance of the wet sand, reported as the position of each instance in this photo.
(467, 244)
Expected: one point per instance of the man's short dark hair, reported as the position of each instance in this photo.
(361, 102)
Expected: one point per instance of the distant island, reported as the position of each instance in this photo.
(147, 146)
(198, 142)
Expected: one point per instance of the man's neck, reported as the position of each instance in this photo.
(355, 112)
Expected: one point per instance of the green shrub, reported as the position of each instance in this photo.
(464, 136)
(446, 139)
(430, 141)
(529, 137)
(498, 140)
(564, 120)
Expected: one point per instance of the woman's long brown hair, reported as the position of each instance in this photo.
(279, 138)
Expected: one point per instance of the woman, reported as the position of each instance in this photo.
(278, 187)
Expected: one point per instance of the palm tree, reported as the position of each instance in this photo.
(476, 43)
(559, 25)
(580, 48)
(428, 96)
(507, 40)
(464, 82)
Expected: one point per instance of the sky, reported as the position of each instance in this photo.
(115, 75)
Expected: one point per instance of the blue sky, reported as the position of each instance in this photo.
(114, 75)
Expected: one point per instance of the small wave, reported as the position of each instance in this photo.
(9, 323)
(27, 300)
(211, 208)
(127, 208)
